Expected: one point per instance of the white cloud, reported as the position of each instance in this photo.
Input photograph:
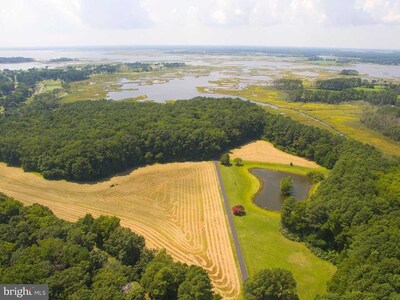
(383, 11)
(50, 15)
(307, 11)
(116, 14)
(226, 12)
(267, 12)
(343, 23)
(346, 13)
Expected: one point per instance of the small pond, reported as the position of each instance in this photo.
(270, 197)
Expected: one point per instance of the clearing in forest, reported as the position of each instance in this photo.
(261, 240)
(174, 206)
(263, 151)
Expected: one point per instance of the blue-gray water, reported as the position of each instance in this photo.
(270, 197)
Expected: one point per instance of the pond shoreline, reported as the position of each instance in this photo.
(272, 203)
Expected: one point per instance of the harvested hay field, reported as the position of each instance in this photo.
(263, 151)
(174, 206)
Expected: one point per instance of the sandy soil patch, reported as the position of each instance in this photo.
(264, 151)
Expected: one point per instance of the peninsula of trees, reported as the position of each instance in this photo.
(15, 60)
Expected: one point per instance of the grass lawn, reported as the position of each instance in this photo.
(50, 85)
(262, 243)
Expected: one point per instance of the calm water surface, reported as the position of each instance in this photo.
(172, 88)
(269, 196)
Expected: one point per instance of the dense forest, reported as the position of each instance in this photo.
(349, 72)
(340, 84)
(89, 259)
(312, 143)
(385, 119)
(337, 90)
(382, 97)
(90, 140)
(353, 218)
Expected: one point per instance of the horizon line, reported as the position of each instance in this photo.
(193, 46)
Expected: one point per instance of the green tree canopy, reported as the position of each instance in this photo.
(287, 186)
(37, 247)
(92, 139)
(162, 277)
(238, 161)
(275, 284)
(225, 159)
(196, 286)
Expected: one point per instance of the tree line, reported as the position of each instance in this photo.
(353, 218)
(90, 140)
(382, 97)
(337, 90)
(385, 119)
(148, 66)
(15, 60)
(341, 83)
(90, 259)
(349, 72)
(310, 142)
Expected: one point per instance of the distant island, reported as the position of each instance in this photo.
(15, 60)
(349, 72)
(62, 59)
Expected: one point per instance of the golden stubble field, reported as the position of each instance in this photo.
(263, 151)
(174, 206)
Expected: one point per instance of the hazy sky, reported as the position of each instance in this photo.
(326, 23)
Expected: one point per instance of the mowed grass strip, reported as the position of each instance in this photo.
(174, 206)
(262, 243)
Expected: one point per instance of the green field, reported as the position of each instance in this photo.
(49, 85)
(344, 117)
(262, 243)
